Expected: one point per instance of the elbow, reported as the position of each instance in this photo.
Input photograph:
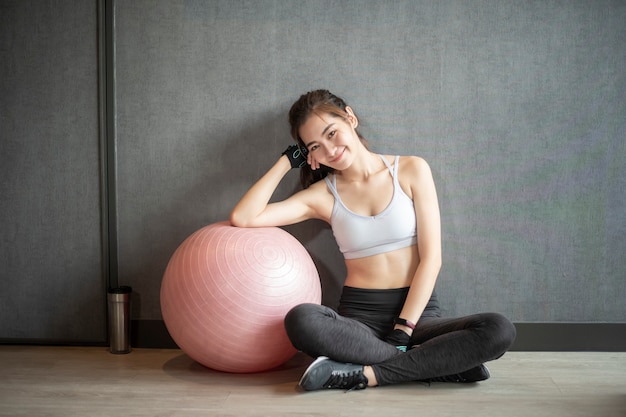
(236, 219)
(434, 263)
(239, 219)
(437, 262)
(438, 265)
(433, 257)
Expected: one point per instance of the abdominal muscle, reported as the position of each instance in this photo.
(393, 269)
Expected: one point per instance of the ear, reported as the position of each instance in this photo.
(354, 122)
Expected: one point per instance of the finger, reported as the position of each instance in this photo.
(317, 164)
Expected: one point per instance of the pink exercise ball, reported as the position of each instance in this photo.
(225, 293)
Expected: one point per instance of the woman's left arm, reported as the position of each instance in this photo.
(416, 173)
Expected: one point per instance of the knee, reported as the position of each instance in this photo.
(501, 332)
(297, 317)
(303, 322)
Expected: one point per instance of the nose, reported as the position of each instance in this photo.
(329, 148)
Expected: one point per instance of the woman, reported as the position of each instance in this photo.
(384, 214)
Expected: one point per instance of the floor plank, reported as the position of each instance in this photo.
(81, 381)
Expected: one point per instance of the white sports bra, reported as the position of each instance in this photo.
(359, 236)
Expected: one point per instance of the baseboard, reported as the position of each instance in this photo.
(601, 337)
(552, 337)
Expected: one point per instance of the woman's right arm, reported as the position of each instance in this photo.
(254, 209)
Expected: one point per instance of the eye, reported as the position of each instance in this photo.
(313, 148)
(331, 134)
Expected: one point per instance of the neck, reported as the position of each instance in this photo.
(364, 165)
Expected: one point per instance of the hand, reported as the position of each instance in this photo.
(313, 162)
(296, 156)
(399, 339)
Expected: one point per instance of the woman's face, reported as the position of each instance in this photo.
(330, 140)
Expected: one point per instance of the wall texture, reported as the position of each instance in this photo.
(518, 106)
(51, 268)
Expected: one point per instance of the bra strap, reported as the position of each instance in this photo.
(332, 186)
(386, 164)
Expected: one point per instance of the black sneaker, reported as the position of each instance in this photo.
(324, 373)
(478, 373)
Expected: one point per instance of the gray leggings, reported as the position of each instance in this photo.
(440, 346)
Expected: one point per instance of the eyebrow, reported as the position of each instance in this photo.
(323, 133)
(326, 128)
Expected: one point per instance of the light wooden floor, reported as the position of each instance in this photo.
(64, 381)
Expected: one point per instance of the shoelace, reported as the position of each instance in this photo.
(349, 380)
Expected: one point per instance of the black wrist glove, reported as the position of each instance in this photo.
(399, 339)
(296, 155)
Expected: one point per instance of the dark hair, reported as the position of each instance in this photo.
(315, 102)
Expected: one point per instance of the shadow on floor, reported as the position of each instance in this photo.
(184, 368)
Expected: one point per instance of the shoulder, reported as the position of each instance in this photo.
(410, 162)
(318, 198)
(413, 166)
(312, 192)
(414, 174)
(318, 187)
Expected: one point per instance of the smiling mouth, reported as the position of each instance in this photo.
(338, 157)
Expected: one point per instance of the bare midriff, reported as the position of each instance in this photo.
(393, 269)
